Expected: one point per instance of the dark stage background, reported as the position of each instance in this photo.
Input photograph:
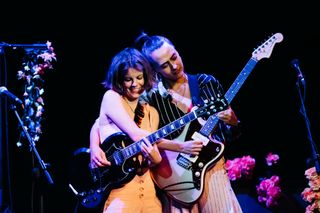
(267, 104)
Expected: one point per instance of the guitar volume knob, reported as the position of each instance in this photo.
(200, 164)
(197, 174)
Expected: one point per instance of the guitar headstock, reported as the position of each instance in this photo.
(265, 49)
(210, 107)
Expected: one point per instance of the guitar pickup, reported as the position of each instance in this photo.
(184, 161)
(200, 137)
(193, 158)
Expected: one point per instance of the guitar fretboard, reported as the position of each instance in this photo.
(230, 94)
(134, 148)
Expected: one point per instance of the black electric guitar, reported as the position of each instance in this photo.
(92, 185)
(181, 176)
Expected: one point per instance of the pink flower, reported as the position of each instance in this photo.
(272, 159)
(47, 56)
(269, 191)
(240, 167)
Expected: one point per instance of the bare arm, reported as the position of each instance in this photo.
(189, 147)
(97, 155)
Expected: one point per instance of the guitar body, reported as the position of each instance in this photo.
(122, 171)
(180, 175)
(94, 185)
(81, 182)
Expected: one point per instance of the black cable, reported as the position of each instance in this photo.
(76, 207)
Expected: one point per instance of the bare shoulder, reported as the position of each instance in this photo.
(111, 95)
(110, 98)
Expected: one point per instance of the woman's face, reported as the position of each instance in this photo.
(133, 84)
(169, 62)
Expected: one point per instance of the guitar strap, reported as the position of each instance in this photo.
(194, 90)
(196, 101)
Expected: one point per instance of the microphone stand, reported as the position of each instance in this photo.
(43, 165)
(39, 46)
(25, 46)
(315, 153)
(32, 145)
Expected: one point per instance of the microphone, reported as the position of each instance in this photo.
(295, 64)
(12, 97)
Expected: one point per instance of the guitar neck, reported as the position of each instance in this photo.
(230, 94)
(243, 75)
(135, 148)
(171, 127)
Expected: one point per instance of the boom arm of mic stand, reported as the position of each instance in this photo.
(40, 46)
(315, 153)
(33, 147)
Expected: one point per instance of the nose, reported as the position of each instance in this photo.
(134, 83)
(173, 65)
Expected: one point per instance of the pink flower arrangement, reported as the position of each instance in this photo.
(269, 191)
(240, 167)
(311, 194)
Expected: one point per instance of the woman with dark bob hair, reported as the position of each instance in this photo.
(129, 75)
